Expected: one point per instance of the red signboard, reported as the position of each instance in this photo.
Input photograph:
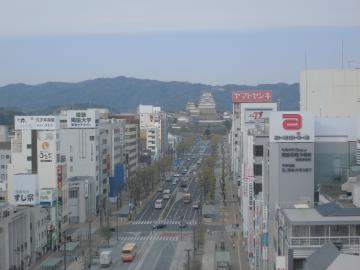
(252, 96)
(293, 121)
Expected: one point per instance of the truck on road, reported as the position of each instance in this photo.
(105, 258)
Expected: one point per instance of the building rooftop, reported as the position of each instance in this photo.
(324, 214)
(330, 258)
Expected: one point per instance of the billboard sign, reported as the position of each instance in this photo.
(252, 96)
(292, 127)
(256, 115)
(48, 196)
(36, 122)
(82, 119)
(25, 189)
(46, 146)
(280, 263)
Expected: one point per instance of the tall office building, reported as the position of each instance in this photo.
(37, 164)
(153, 130)
(330, 92)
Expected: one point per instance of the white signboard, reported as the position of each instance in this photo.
(292, 127)
(46, 146)
(82, 119)
(25, 189)
(47, 196)
(256, 115)
(36, 122)
(280, 263)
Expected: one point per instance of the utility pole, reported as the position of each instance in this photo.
(117, 227)
(64, 235)
(90, 247)
(188, 257)
(194, 245)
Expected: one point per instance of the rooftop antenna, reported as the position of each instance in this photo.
(306, 81)
(342, 54)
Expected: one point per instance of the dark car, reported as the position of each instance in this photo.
(158, 226)
(182, 224)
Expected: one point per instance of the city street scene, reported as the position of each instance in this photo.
(179, 135)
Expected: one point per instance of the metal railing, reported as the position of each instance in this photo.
(319, 241)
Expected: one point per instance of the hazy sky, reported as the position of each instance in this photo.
(217, 42)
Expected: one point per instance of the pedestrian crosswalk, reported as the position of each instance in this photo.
(149, 238)
(168, 222)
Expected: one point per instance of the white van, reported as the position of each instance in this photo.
(158, 204)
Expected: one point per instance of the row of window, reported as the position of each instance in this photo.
(5, 156)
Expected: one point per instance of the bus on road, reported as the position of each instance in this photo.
(128, 252)
(158, 204)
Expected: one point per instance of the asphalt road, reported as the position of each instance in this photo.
(178, 209)
(157, 249)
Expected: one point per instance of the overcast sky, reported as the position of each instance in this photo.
(217, 42)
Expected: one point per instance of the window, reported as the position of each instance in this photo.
(71, 159)
(7, 156)
(29, 158)
(258, 150)
(257, 170)
(71, 148)
(2, 156)
(73, 193)
(71, 169)
(28, 146)
(92, 138)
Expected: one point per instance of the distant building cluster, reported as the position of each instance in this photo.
(298, 173)
(58, 170)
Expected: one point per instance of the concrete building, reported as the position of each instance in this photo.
(153, 130)
(250, 109)
(4, 133)
(23, 231)
(36, 158)
(5, 158)
(304, 231)
(330, 92)
(289, 167)
(82, 199)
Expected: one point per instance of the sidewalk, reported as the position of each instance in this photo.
(208, 259)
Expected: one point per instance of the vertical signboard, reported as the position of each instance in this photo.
(46, 146)
(281, 263)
